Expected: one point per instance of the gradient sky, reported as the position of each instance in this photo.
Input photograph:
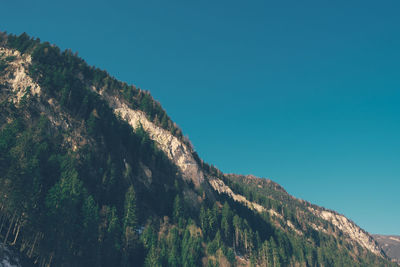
(306, 93)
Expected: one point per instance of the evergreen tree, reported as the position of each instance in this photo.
(129, 225)
(178, 211)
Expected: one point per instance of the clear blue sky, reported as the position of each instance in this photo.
(306, 93)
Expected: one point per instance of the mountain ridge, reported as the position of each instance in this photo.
(390, 244)
(358, 234)
(281, 212)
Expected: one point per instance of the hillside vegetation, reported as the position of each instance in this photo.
(81, 186)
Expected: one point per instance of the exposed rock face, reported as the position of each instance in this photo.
(181, 155)
(350, 229)
(21, 84)
(176, 150)
(16, 80)
(221, 187)
(390, 244)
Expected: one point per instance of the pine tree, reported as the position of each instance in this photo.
(178, 212)
(129, 235)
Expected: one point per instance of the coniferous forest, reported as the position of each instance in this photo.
(74, 190)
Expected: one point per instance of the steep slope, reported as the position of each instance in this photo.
(390, 244)
(274, 196)
(94, 173)
(177, 151)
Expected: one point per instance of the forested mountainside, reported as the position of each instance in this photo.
(93, 172)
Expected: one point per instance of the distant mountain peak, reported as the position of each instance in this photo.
(390, 245)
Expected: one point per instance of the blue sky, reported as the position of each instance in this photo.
(306, 93)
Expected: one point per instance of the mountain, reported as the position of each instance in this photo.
(390, 245)
(95, 173)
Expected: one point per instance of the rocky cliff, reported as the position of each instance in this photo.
(175, 149)
(259, 217)
(181, 155)
(351, 230)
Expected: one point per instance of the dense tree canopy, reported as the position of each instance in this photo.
(78, 195)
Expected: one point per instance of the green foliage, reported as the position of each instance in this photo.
(23, 42)
(176, 247)
(130, 220)
(215, 244)
(3, 66)
(70, 203)
(230, 255)
(77, 196)
(191, 250)
(178, 212)
(60, 75)
(130, 216)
